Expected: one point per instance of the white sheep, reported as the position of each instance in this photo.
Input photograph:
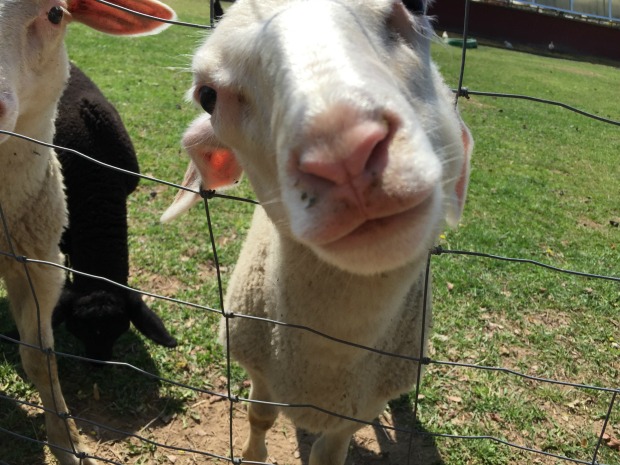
(353, 146)
(33, 71)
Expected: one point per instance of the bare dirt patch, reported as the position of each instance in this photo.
(205, 428)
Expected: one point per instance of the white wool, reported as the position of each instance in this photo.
(352, 144)
(34, 69)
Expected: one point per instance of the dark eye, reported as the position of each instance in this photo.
(208, 98)
(55, 15)
(417, 7)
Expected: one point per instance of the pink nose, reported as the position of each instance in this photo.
(351, 152)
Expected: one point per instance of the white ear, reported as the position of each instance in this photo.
(184, 200)
(458, 194)
(120, 21)
(403, 23)
(212, 166)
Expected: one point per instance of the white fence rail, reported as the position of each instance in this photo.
(604, 10)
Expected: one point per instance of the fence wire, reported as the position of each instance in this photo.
(233, 399)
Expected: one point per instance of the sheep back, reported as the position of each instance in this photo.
(96, 239)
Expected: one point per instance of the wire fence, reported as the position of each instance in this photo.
(412, 432)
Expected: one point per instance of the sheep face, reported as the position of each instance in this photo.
(341, 123)
(98, 320)
(33, 61)
(31, 33)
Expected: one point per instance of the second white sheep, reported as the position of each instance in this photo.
(353, 146)
(33, 72)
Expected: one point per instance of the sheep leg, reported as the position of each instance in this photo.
(34, 323)
(331, 447)
(261, 418)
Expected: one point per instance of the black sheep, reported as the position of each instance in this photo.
(95, 242)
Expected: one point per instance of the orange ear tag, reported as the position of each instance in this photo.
(223, 168)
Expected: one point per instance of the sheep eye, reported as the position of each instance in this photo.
(208, 98)
(55, 15)
(416, 7)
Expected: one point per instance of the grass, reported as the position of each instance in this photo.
(544, 186)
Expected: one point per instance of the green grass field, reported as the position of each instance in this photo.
(544, 186)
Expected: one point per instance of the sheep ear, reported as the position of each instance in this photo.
(457, 201)
(184, 200)
(147, 322)
(404, 23)
(111, 20)
(212, 166)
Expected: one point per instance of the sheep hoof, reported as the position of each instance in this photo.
(254, 450)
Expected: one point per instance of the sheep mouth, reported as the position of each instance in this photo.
(382, 232)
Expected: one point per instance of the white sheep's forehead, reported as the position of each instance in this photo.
(15, 14)
(292, 56)
(22, 31)
(26, 37)
(254, 29)
(14, 8)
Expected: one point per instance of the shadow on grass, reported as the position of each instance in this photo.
(13, 449)
(380, 446)
(113, 400)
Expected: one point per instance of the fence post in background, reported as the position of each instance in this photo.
(463, 52)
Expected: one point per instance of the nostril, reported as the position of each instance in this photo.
(7, 107)
(368, 142)
(355, 151)
(378, 158)
(8, 113)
